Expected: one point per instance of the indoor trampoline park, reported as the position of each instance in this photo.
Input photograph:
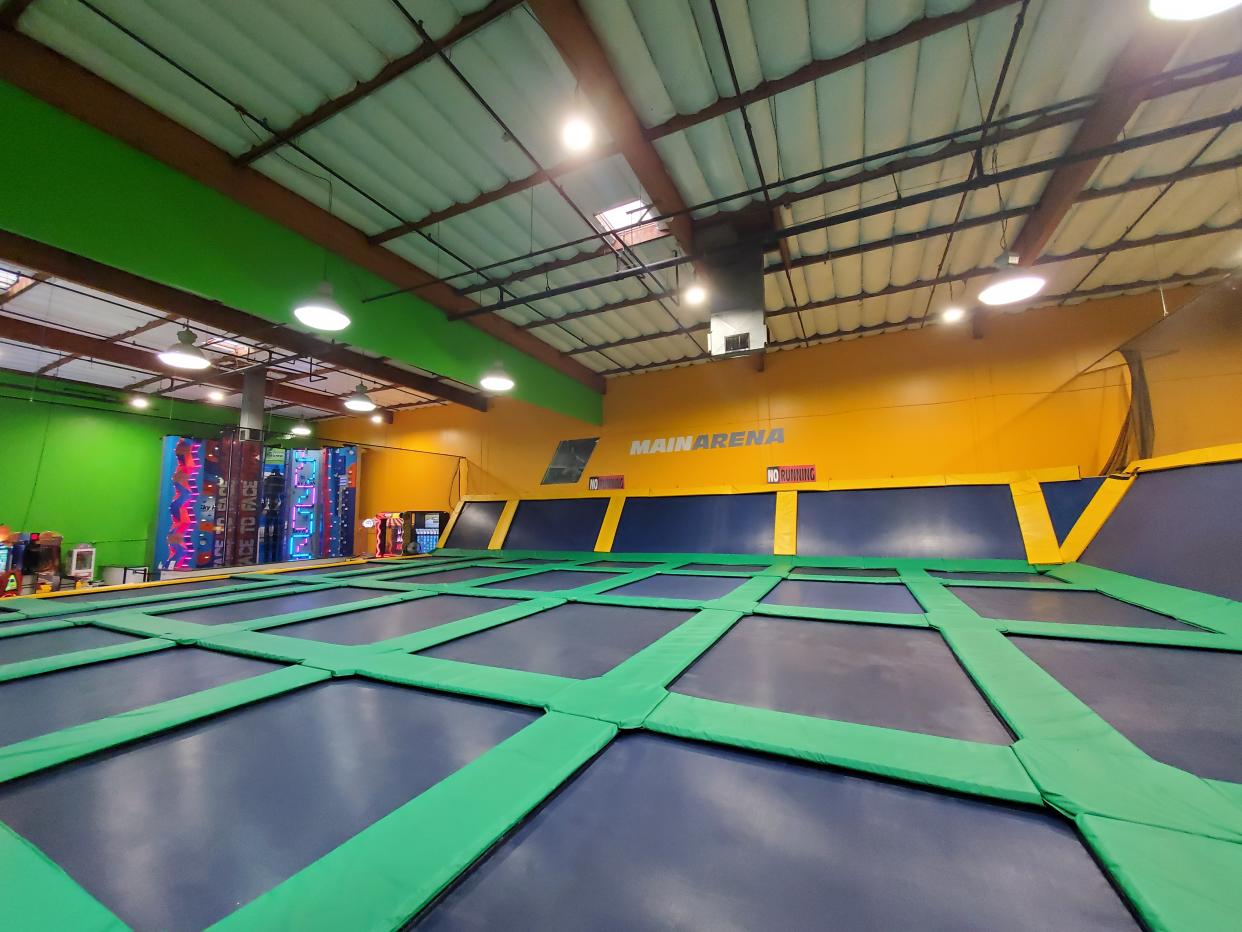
(634, 465)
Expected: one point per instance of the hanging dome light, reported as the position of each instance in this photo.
(359, 400)
(952, 315)
(695, 295)
(300, 429)
(140, 402)
(577, 134)
(320, 311)
(496, 379)
(1186, 10)
(184, 354)
(1011, 284)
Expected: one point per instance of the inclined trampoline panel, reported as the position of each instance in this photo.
(843, 571)
(266, 608)
(1066, 501)
(575, 640)
(846, 596)
(725, 567)
(556, 524)
(662, 834)
(1182, 706)
(905, 678)
(552, 580)
(38, 705)
(1067, 606)
(462, 574)
(697, 524)
(1178, 526)
(61, 641)
(952, 522)
(672, 586)
(995, 576)
(475, 525)
(390, 621)
(177, 831)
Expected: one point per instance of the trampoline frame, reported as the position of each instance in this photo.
(1171, 841)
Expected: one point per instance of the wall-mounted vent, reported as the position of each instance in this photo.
(603, 483)
(778, 474)
(737, 342)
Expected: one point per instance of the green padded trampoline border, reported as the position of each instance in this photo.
(1170, 840)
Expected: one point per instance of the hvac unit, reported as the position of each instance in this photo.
(737, 321)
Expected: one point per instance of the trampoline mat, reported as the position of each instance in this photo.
(519, 561)
(697, 524)
(672, 586)
(169, 588)
(995, 576)
(267, 608)
(1068, 606)
(1182, 706)
(576, 640)
(328, 570)
(618, 565)
(463, 574)
(552, 580)
(390, 621)
(1066, 501)
(475, 525)
(905, 678)
(725, 567)
(843, 571)
(61, 641)
(846, 596)
(218, 812)
(38, 705)
(664, 834)
(953, 522)
(556, 524)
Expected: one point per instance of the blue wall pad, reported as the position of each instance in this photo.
(556, 524)
(1178, 526)
(266, 608)
(389, 621)
(1068, 606)
(635, 842)
(997, 576)
(848, 596)
(465, 574)
(38, 705)
(698, 524)
(843, 571)
(672, 586)
(552, 581)
(577, 640)
(725, 567)
(618, 565)
(475, 524)
(1066, 501)
(1182, 706)
(882, 675)
(953, 522)
(221, 811)
(61, 641)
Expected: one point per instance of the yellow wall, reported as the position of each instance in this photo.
(1039, 390)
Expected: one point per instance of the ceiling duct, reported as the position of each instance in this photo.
(735, 272)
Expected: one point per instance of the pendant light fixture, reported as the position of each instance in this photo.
(1187, 10)
(1011, 284)
(694, 295)
(184, 354)
(320, 311)
(359, 400)
(496, 379)
(300, 429)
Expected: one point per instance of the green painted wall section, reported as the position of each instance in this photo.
(77, 460)
(76, 188)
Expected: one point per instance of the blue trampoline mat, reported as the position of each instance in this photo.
(1068, 606)
(660, 834)
(996, 576)
(1066, 501)
(698, 524)
(556, 524)
(475, 525)
(725, 567)
(464, 574)
(389, 621)
(218, 812)
(294, 600)
(844, 571)
(60, 641)
(672, 586)
(905, 678)
(552, 580)
(846, 596)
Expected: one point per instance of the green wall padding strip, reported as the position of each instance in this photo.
(1170, 840)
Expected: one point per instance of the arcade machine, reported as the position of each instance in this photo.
(422, 530)
(389, 530)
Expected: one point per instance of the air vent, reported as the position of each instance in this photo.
(737, 342)
(603, 483)
(777, 474)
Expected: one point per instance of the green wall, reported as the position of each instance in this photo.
(78, 462)
(78, 189)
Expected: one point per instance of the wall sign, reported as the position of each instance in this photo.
(690, 443)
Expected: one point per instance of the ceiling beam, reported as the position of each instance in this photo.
(113, 338)
(391, 71)
(68, 86)
(23, 284)
(143, 360)
(1146, 55)
(66, 265)
(569, 30)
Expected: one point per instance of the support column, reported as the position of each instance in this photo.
(254, 392)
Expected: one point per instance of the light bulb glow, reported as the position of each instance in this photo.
(300, 429)
(577, 134)
(496, 379)
(139, 402)
(215, 395)
(321, 312)
(1011, 288)
(377, 419)
(951, 315)
(184, 354)
(359, 400)
(695, 295)
(1186, 10)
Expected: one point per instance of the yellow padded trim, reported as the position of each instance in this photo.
(1106, 498)
(1038, 535)
(608, 529)
(786, 538)
(502, 526)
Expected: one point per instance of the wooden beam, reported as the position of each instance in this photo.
(11, 11)
(567, 27)
(1146, 55)
(66, 265)
(391, 71)
(87, 97)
